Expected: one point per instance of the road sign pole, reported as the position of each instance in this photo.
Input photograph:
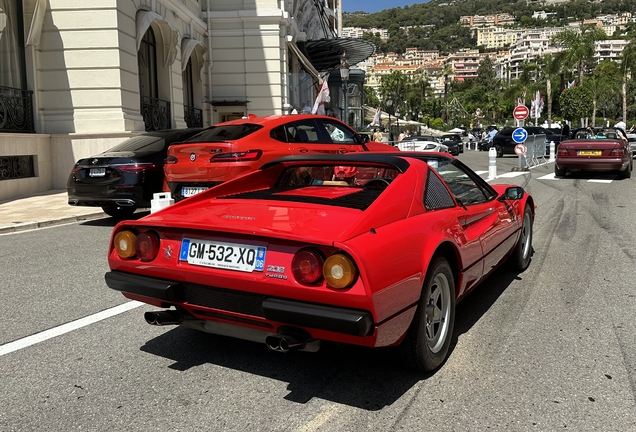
(522, 163)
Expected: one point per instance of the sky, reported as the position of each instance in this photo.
(375, 5)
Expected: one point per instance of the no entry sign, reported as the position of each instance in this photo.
(520, 112)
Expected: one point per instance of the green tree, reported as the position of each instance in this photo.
(486, 75)
(627, 67)
(576, 103)
(370, 98)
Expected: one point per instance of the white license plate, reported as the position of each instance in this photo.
(190, 191)
(231, 256)
(97, 172)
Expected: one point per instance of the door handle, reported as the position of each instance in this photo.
(303, 150)
(343, 151)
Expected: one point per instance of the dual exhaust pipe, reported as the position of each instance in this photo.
(162, 318)
(283, 342)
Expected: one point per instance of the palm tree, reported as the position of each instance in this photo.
(628, 56)
(550, 68)
(597, 85)
(447, 72)
(578, 47)
(420, 80)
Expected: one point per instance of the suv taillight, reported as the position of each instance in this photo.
(246, 156)
(171, 160)
(135, 168)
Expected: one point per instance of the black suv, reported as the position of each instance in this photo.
(504, 144)
(454, 143)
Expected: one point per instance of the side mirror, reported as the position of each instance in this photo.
(512, 193)
(364, 138)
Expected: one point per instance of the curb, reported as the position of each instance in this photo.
(27, 226)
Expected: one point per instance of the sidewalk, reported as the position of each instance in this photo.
(43, 210)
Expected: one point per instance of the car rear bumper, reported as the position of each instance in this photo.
(243, 307)
(592, 164)
(103, 197)
(177, 187)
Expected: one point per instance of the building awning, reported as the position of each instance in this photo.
(304, 60)
(169, 35)
(324, 54)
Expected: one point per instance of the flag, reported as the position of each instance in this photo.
(376, 118)
(520, 101)
(323, 96)
(572, 84)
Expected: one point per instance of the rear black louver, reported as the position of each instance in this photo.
(436, 196)
(360, 199)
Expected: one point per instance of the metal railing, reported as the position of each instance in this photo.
(16, 110)
(536, 150)
(156, 113)
(15, 167)
(193, 116)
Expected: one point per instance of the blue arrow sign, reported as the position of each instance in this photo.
(519, 135)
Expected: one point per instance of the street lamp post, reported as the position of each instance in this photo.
(397, 118)
(344, 75)
(389, 103)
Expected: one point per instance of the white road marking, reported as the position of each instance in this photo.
(513, 174)
(549, 177)
(481, 172)
(599, 181)
(65, 328)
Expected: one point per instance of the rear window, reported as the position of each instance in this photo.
(139, 143)
(225, 133)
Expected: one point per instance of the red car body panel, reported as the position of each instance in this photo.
(392, 242)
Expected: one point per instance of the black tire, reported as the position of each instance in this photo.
(425, 346)
(559, 172)
(499, 151)
(628, 171)
(119, 212)
(522, 253)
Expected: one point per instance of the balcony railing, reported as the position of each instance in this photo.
(193, 117)
(156, 113)
(16, 110)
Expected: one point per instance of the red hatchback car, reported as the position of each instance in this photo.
(233, 148)
(294, 253)
(600, 150)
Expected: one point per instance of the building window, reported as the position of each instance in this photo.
(156, 113)
(193, 116)
(16, 102)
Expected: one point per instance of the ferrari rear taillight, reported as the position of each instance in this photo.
(147, 246)
(618, 152)
(124, 244)
(339, 271)
(135, 168)
(246, 156)
(307, 266)
(171, 160)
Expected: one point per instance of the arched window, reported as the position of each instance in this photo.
(156, 112)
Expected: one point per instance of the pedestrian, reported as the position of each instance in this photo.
(401, 136)
(621, 125)
(377, 135)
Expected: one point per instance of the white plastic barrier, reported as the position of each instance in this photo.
(160, 200)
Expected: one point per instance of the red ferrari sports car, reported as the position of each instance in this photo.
(600, 150)
(369, 249)
(227, 150)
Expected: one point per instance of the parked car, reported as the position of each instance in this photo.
(290, 255)
(233, 148)
(600, 150)
(504, 144)
(454, 143)
(125, 177)
(431, 146)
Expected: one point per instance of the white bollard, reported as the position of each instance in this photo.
(552, 151)
(492, 163)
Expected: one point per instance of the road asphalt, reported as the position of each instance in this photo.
(42, 210)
